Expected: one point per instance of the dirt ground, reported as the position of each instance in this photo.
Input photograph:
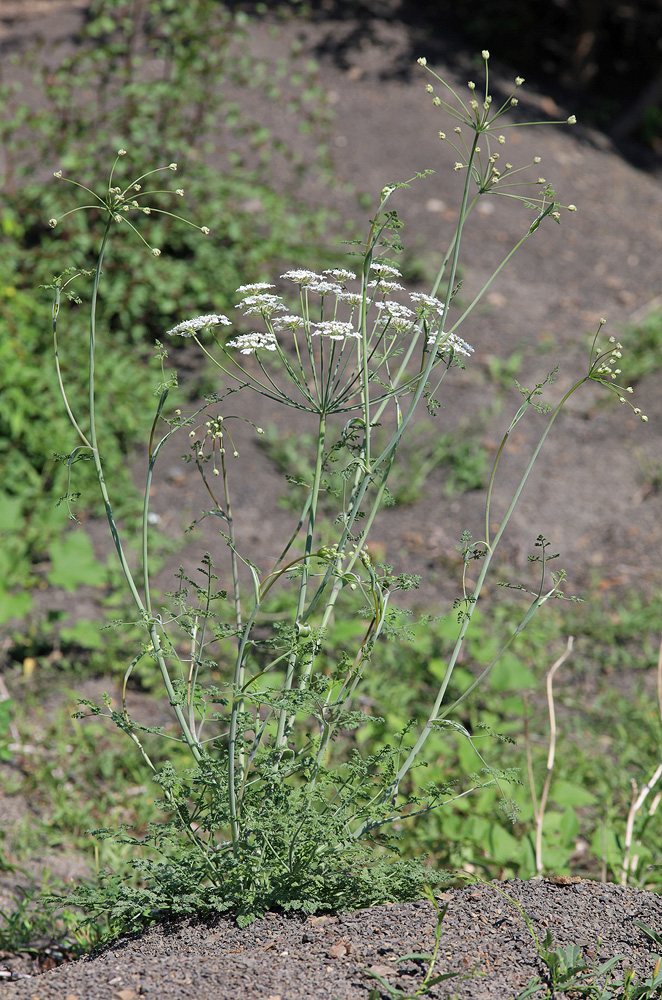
(591, 493)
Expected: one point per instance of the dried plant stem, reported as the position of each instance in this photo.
(539, 807)
(639, 795)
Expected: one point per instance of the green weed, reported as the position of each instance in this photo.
(268, 811)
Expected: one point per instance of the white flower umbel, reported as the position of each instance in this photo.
(396, 315)
(352, 298)
(301, 276)
(450, 341)
(386, 270)
(323, 287)
(340, 274)
(262, 304)
(248, 343)
(334, 329)
(427, 304)
(386, 286)
(256, 286)
(190, 327)
(288, 322)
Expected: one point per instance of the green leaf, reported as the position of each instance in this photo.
(566, 793)
(85, 633)
(74, 563)
(510, 674)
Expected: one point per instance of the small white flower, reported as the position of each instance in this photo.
(189, 327)
(519, 80)
(257, 286)
(301, 276)
(485, 54)
(156, 252)
(386, 286)
(248, 343)
(450, 341)
(52, 223)
(205, 230)
(427, 303)
(353, 298)
(395, 309)
(288, 323)
(261, 304)
(422, 61)
(396, 316)
(572, 120)
(385, 269)
(324, 287)
(334, 329)
(340, 274)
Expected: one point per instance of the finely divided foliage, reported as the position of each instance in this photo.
(268, 813)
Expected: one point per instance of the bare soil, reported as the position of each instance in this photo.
(592, 495)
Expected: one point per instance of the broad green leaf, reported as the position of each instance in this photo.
(74, 563)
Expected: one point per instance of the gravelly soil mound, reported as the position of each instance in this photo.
(485, 940)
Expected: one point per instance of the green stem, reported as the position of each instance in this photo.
(285, 718)
(150, 622)
(434, 714)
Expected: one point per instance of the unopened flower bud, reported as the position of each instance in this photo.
(172, 166)
(519, 80)
(572, 208)
(156, 252)
(572, 120)
(121, 152)
(485, 54)
(52, 223)
(205, 230)
(422, 61)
